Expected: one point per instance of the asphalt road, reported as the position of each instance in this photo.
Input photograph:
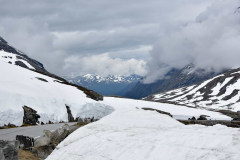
(32, 131)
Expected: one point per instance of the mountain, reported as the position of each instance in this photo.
(109, 85)
(25, 82)
(175, 78)
(220, 92)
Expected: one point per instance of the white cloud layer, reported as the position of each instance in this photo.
(102, 64)
(55, 31)
(210, 42)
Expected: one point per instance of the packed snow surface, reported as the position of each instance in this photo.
(131, 133)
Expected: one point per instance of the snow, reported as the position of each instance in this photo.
(125, 130)
(133, 133)
(214, 101)
(21, 87)
(12, 58)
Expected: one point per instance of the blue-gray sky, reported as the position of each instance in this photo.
(111, 36)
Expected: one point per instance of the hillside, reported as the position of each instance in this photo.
(25, 82)
(219, 92)
(175, 78)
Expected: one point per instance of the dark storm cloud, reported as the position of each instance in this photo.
(59, 32)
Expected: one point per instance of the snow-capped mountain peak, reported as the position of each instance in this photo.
(107, 79)
(106, 85)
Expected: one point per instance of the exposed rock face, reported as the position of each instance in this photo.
(9, 150)
(30, 116)
(70, 116)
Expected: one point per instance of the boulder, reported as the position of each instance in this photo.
(60, 134)
(202, 117)
(25, 141)
(9, 150)
(2, 157)
(192, 119)
(70, 116)
(42, 152)
(43, 140)
(30, 116)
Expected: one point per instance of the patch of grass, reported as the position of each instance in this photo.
(8, 126)
(80, 124)
(26, 155)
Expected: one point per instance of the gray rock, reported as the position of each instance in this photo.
(30, 116)
(43, 140)
(80, 120)
(9, 149)
(2, 157)
(43, 151)
(60, 134)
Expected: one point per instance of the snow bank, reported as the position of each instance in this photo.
(21, 87)
(96, 110)
(131, 133)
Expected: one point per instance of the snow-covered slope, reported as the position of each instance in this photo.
(109, 85)
(19, 87)
(13, 56)
(173, 79)
(48, 96)
(131, 133)
(220, 92)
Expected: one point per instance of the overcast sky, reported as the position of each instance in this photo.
(145, 37)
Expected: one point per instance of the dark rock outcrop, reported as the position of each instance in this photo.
(161, 112)
(70, 116)
(30, 116)
(9, 150)
(202, 117)
(25, 141)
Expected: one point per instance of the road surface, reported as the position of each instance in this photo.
(32, 131)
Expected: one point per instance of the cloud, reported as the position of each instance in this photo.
(104, 65)
(209, 42)
(55, 31)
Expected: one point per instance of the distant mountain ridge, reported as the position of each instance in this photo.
(108, 85)
(221, 92)
(175, 78)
